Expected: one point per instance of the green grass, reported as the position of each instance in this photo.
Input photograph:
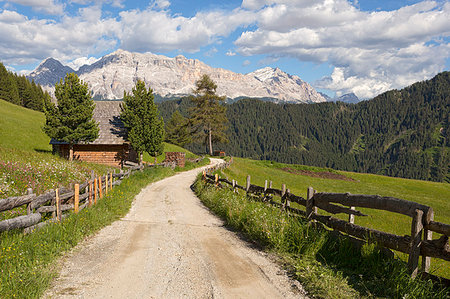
(168, 148)
(26, 261)
(20, 128)
(433, 194)
(327, 267)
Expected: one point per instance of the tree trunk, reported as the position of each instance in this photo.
(210, 141)
(156, 158)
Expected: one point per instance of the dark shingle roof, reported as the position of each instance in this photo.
(111, 128)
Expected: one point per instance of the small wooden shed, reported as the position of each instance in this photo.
(110, 148)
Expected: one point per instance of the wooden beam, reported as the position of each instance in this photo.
(427, 236)
(90, 193)
(77, 198)
(390, 204)
(17, 201)
(385, 239)
(95, 191)
(58, 205)
(416, 239)
(439, 227)
(100, 188)
(20, 222)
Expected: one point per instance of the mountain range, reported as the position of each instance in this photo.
(117, 72)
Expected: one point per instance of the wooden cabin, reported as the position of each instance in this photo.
(110, 147)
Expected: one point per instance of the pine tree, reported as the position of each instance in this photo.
(208, 117)
(8, 86)
(71, 120)
(177, 130)
(145, 128)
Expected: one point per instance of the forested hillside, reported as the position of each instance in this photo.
(402, 133)
(18, 90)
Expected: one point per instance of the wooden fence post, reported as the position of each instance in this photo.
(58, 206)
(351, 217)
(427, 236)
(216, 179)
(77, 198)
(100, 187)
(90, 193)
(310, 208)
(283, 195)
(110, 180)
(416, 239)
(286, 199)
(234, 186)
(106, 183)
(29, 192)
(247, 187)
(265, 190)
(95, 191)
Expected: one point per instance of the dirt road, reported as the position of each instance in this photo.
(169, 246)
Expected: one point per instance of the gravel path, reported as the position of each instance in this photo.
(170, 246)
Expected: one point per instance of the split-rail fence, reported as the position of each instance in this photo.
(419, 243)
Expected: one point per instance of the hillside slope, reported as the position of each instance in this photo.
(20, 128)
(402, 133)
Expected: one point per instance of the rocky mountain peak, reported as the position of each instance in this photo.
(118, 71)
(50, 71)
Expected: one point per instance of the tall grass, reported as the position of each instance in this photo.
(327, 266)
(432, 194)
(26, 261)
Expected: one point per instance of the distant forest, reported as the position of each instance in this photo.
(403, 133)
(20, 91)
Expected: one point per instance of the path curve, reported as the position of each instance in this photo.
(169, 246)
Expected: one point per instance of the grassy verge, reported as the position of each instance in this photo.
(328, 267)
(429, 193)
(26, 260)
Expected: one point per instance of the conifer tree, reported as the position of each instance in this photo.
(71, 120)
(145, 128)
(177, 130)
(208, 117)
(8, 86)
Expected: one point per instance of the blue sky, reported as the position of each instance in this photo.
(338, 46)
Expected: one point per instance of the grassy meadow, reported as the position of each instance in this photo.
(326, 266)
(436, 195)
(27, 262)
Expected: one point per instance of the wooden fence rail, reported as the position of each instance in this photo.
(419, 243)
(81, 196)
(57, 201)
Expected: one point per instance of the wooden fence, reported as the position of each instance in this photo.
(62, 199)
(419, 243)
(59, 201)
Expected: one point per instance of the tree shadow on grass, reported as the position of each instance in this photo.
(40, 150)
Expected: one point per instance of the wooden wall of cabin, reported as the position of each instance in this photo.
(113, 154)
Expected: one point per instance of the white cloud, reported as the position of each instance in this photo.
(161, 31)
(246, 62)
(371, 52)
(160, 4)
(230, 53)
(24, 40)
(47, 6)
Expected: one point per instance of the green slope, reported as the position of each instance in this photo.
(432, 194)
(20, 128)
